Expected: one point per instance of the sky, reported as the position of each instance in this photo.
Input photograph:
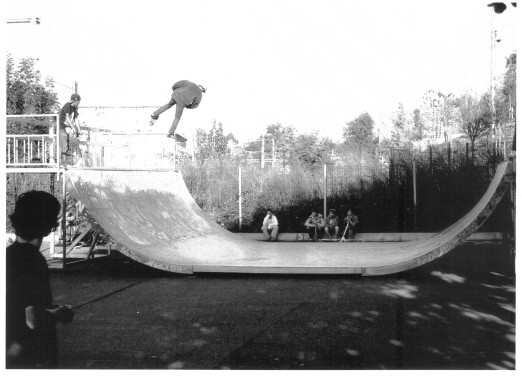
(307, 64)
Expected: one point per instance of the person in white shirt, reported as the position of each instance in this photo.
(270, 224)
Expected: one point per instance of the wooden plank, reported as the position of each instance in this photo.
(78, 239)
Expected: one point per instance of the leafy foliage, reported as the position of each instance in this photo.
(26, 94)
(418, 131)
(439, 113)
(360, 132)
(476, 117)
(311, 151)
(506, 99)
(444, 194)
(214, 144)
(284, 137)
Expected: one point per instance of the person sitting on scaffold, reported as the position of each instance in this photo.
(185, 94)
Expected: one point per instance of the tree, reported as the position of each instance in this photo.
(311, 151)
(476, 117)
(448, 112)
(214, 144)
(439, 113)
(506, 100)
(26, 94)
(418, 131)
(360, 132)
(284, 137)
(399, 134)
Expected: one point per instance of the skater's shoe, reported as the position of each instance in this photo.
(153, 119)
(170, 135)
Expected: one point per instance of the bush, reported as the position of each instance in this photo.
(445, 193)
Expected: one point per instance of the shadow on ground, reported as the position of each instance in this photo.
(457, 312)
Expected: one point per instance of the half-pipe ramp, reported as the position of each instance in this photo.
(155, 221)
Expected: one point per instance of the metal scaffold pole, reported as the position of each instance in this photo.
(53, 233)
(64, 231)
(325, 191)
(240, 202)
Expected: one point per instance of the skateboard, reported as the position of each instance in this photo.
(351, 241)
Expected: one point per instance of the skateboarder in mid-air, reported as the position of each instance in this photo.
(185, 94)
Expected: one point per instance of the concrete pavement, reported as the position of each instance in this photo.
(457, 312)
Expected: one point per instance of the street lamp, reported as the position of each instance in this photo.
(498, 7)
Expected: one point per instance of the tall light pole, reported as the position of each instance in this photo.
(498, 8)
(493, 37)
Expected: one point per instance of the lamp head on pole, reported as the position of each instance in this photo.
(498, 7)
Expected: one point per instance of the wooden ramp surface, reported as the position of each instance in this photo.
(155, 221)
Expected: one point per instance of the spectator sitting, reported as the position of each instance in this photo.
(315, 225)
(351, 225)
(270, 224)
(332, 224)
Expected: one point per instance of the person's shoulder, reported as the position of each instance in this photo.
(18, 248)
(67, 108)
(20, 252)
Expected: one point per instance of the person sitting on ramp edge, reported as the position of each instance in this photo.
(271, 224)
(351, 226)
(315, 225)
(332, 224)
(185, 94)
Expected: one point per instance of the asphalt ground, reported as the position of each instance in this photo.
(457, 312)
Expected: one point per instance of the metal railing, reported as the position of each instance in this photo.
(34, 152)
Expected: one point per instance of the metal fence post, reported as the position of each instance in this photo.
(414, 195)
(431, 158)
(53, 233)
(240, 200)
(449, 154)
(325, 191)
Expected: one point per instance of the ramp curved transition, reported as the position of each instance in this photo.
(155, 221)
